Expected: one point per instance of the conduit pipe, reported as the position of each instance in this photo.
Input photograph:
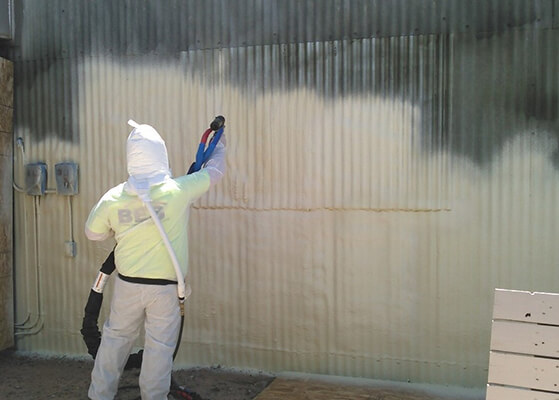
(37, 325)
(21, 146)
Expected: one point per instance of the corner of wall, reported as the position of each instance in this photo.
(6, 205)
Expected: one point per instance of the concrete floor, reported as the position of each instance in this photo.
(305, 389)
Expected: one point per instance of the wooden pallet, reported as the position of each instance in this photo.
(524, 358)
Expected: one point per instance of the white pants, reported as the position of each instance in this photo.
(157, 308)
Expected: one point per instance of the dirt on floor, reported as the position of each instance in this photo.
(27, 377)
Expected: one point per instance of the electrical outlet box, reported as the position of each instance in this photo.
(36, 178)
(66, 178)
(70, 248)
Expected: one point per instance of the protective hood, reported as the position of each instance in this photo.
(147, 159)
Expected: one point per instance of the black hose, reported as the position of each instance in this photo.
(180, 337)
(90, 330)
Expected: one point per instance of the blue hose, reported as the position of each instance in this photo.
(203, 154)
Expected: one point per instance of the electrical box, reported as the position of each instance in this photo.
(36, 178)
(6, 19)
(66, 178)
(70, 248)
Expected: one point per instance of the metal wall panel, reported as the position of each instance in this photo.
(379, 186)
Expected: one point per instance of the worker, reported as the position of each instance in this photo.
(145, 292)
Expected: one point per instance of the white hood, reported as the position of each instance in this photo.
(147, 159)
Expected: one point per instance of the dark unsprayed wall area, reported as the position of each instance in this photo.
(497, 67)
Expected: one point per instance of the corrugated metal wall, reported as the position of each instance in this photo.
(390, 164)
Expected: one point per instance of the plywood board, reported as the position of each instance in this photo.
(524, 371)
(507, 393)
(523, 306)
(292, 389)
(518, 337)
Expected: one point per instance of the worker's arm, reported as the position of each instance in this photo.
(97, 226)
(216, 164)
(97, 236)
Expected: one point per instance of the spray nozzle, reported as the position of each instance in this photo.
(217, 123)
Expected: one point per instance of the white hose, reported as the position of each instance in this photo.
(143, 174)
(181, 288)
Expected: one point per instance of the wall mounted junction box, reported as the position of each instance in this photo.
(36, 178)
(6, 19)
(70, 248)
(66, 178)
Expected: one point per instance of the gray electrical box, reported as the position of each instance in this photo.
(36, 178)
(6, 19)
(66, 178)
